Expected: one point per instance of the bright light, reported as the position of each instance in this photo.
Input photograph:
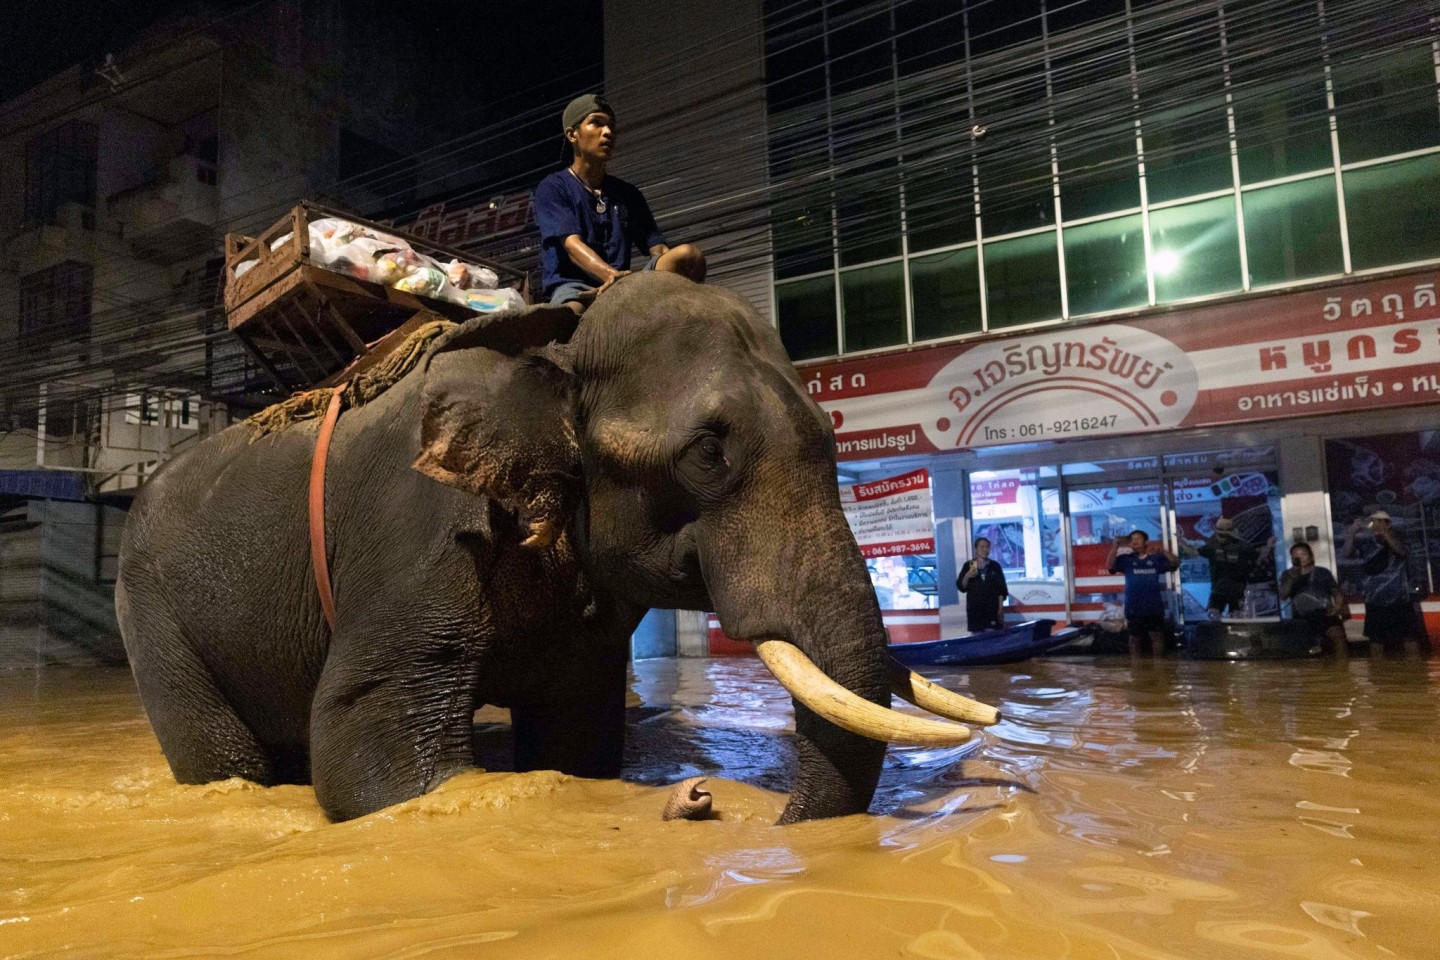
(1165, 261)
(982, 475)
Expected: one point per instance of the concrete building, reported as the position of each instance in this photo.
(118, 182)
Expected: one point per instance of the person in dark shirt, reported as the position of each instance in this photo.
(1144, 568)
(1389, 610)
(1314, 596)
(589, 220)
(1231, 560)
(983, 583)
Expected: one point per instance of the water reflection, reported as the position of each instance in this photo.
(1160, 809)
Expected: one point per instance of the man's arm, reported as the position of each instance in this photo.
(1112, 558)
(1348, 548)
(1396, 545)
(967, 571)
(591, 262)
(1003, 595)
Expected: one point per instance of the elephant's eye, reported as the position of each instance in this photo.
(711, 453)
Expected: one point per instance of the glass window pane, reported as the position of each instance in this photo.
(1292, 231)
(1105, 265)
(1195, 249)
(939, 182)
(1281, 121)
(1022, 280)
(1391, 212)
(1099, 169)
(806, 313)
(929, 34)
(867, 199)
(859, 45)
(1182, 96)
(945, 294)
(1387, 105)
(874, 302)
(794, 58)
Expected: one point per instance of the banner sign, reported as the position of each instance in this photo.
(892, 516)
(43, 484)
(481, 221)
(1357, 347)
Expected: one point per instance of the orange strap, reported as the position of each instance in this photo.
(318, 559)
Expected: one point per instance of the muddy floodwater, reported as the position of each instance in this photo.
(1152, 809)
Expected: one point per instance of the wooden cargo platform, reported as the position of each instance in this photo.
(309, 326)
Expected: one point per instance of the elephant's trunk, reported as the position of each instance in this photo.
(809, 606)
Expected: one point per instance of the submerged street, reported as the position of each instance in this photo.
(1156, 809)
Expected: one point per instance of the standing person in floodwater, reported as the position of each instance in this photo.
(1231, 560)
(589, 220)
(1144, 566)
(983, 583)
(1389, 611)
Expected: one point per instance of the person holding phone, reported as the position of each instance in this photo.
(983, 583)
(1389, 612)
(1144, 565)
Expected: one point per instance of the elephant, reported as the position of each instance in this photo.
(496, 523)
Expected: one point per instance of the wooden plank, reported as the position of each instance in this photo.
(263, 360)
(237, 317)
(378, 350)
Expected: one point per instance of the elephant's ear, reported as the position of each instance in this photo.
(502, 427)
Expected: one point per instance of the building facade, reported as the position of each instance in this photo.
(1105, 265)
(118, 182)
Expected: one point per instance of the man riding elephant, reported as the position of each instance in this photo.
(495, 525)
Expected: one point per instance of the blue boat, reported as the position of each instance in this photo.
(1006, 645)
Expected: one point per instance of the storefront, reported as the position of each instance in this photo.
(1291, 415)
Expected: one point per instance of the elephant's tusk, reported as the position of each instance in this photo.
(809, 684)
(909, 685)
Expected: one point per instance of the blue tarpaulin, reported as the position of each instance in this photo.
(43, 484)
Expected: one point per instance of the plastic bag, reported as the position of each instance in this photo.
(393, 266)
(468, 276)
(425, 281)
(489, 301)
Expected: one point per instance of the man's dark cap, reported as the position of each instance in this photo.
(581, 107)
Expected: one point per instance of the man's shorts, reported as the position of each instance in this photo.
(1144, 624)
(577, 290)
(1226, 595)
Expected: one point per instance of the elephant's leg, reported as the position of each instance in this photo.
(202, 736)
(580, 729)
(389, 723)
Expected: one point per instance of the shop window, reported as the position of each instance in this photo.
(1105, 265)
(1018, 511)
(1387, 105)
(945, 294)
(1292, 231)
(874, 304)
(1194, 249)
(1022, 280)
(806, 317)
(1400, 474)
(1390, 209)
(1099, 178)
(59, 170)
(1187, 140)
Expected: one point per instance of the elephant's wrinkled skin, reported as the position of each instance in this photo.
(666, 456)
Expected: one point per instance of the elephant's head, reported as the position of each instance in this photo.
(672, 441)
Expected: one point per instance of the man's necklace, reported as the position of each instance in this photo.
(599, 197)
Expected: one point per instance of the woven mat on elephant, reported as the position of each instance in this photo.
(359, 390)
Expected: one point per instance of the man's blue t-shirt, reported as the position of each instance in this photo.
(1143, 582)
(564, 206)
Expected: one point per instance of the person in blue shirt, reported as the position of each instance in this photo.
(1144, 568)
(590, 221)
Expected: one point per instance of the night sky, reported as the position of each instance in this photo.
(497, 47)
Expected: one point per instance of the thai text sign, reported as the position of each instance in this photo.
(1375, 344)
(892, 516)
